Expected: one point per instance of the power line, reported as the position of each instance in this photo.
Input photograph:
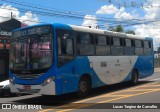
(129, 3)
(101, 19)
(55, 11)
(51, 13)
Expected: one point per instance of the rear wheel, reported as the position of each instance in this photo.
(134, 79)
(84, 86)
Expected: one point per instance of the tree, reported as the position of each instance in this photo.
(130, 32)
(119, 28)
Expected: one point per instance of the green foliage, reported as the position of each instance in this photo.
(130, 32)
(119, 28)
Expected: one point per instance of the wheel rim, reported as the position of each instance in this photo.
(83, 86)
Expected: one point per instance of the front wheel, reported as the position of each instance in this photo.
(134, 79)
(84, 87)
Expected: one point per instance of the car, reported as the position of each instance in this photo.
(5, 89)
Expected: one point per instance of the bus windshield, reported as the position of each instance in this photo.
(32, 52)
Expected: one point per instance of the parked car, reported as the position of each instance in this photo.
(5, 89)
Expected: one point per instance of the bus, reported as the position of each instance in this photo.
(54, 59)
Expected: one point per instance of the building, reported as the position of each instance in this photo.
(5, 35)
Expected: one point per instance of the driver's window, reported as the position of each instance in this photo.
(65, 46)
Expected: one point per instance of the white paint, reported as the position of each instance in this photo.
(105, 32)
(4, 83)
(117, 69)
(49, 89)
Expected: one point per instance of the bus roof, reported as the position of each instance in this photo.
(100, 32)
(91, 30)
(109, 33)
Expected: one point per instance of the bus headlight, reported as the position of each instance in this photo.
(47, 81)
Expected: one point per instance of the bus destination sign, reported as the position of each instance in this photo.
(31, 31)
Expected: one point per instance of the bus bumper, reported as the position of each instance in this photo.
(48, 89)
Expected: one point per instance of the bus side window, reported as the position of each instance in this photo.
(85, 44)
(65, 47)
(102, 47)
(147, 48)
(116, 48)
(129, 47)
(138, 47)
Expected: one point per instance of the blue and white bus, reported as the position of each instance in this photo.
(54, 59)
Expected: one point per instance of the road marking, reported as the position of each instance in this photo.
(144, 89)
(110, 94)
(45, 110)
(155, 79)
(114, 92)
(154, 85)
(108, 101)
(130, 96)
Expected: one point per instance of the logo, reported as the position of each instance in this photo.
(6, 106)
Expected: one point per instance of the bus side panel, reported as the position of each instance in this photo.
(67, 78)
(145, 66)
(85, 66)
(113, 69)
(69, 75)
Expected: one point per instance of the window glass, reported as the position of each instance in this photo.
(117, 50)
(138, 43)
(129, 50)
(128, 43)
(85, 38)
(147, 48)
(146, 44)
(116, 41)
(102, 50)
(65, 46)
(101, 40)
(85, 49)
(85, 44)
(139, 51)
(147, 51)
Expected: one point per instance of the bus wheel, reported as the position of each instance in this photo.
(134, 79)
(84, 86)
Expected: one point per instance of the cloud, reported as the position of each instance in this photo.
(107, 9)
(151, 29)
(90, 20)
(121, 14)
(152, 12)
(5, 14)
(118, 13)
(29, 18)
(149, 13)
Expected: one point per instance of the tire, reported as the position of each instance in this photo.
(84, 86)
(134, 79)
(14, 94)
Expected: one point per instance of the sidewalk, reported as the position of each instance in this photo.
(157, 69)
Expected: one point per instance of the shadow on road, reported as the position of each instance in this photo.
(59, 100)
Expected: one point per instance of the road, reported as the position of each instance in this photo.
(104, 98)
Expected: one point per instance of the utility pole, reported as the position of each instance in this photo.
(11, 15)
(158, 46)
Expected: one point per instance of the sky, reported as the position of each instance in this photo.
(141, 16)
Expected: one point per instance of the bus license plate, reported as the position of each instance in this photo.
(26, 87)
